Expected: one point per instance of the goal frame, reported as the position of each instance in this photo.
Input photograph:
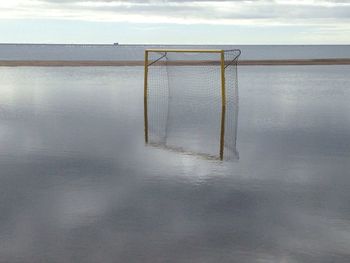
(221, 60)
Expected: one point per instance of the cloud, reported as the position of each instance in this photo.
(251, 12)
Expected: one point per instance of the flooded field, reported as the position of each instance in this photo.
(78, 184)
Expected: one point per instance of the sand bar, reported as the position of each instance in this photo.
(95, 63)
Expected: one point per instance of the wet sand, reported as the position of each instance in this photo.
(77, 183)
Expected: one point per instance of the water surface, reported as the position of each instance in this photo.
(77, 183)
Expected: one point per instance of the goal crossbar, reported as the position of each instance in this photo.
(186, 50)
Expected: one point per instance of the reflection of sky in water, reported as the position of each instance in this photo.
(78, 185)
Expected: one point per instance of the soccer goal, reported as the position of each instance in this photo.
(191, 100)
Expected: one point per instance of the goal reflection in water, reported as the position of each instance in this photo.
(191, 101)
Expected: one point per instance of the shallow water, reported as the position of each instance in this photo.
(77, 183)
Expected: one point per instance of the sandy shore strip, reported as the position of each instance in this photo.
(97, 63)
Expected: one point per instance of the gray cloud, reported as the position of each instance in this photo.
(256, 9)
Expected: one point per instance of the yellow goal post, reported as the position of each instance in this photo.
(218, 58)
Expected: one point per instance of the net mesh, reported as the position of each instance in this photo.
(184, 99)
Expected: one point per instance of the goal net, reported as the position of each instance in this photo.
(191, 100)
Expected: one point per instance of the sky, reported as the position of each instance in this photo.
(175, 21)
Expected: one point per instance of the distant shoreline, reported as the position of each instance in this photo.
(101, 63)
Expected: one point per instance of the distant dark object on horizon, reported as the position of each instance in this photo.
(116, 44)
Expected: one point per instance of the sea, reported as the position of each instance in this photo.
(115, 52)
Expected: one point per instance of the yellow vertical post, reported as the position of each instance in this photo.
(223, 105)
(145, 96)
